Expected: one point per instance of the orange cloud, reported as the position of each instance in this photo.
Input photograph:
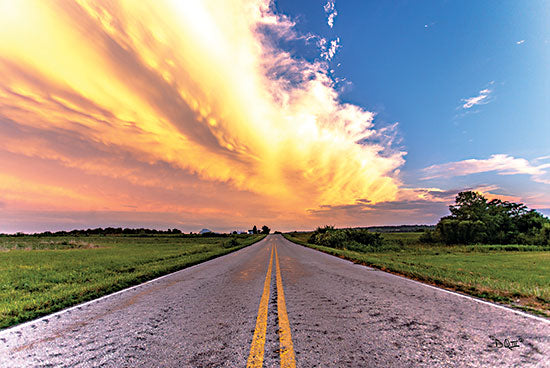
(193, 90)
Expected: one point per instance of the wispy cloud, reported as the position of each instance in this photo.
(416, 211)
(502, 164)
(481, 99)
(331, 12)
(429, 25)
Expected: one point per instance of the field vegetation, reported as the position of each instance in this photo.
(492, 249)
(43, 274)
(514, 274)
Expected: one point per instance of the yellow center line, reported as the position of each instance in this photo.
(288, 360)
(256, 356)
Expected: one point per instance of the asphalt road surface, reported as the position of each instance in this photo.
(304, 309)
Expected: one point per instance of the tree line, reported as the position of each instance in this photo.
(137, 232)
(106, 231)
(144, 232)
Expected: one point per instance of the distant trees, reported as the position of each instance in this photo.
(265, 230)
(140, 232)
(474, 219)
(109, 231)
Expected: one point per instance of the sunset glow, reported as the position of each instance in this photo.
(178, 84)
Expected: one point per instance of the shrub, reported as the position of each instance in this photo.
(429, 236)
(543, 237)
(363, 236)
(230, 243)
(345, 238)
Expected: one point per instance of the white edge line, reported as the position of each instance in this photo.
(48, 316)
(521, 313)
(540, 319)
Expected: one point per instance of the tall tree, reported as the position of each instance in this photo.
(470, 206)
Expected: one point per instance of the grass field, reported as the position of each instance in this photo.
(40, 275)
(517, 275)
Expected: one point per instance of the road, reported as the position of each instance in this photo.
(304, 309)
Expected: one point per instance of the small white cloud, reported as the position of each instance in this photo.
(329, 7)
(520, 42)
(481, 99)
(330, 20)
(331, 12)
(328, 52)
(429, 25)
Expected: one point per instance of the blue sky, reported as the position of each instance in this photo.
(418, 63)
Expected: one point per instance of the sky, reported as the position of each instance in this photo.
(221, 115)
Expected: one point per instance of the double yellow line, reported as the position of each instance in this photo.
(256, 356)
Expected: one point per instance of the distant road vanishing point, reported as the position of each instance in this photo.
(278, 304)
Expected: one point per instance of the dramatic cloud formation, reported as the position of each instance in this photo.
(186, 109)
(480, 99)
(503, 164)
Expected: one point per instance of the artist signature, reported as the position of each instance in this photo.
(507, 343)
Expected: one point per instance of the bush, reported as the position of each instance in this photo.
(543, 237)
(332, 239)
(356, 239)
(231, 243)
(357, 247)
(429, 237)
(363, 236)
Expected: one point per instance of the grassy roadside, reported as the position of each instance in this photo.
(518, 276)
(41, 275)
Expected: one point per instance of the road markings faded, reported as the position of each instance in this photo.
(288, 360)
(256, 356)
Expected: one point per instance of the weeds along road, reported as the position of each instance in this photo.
(277, 304)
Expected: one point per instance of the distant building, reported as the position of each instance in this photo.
(205, 231)
(251, 231)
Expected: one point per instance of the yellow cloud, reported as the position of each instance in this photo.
(196, 85)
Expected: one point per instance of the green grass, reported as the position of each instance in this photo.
(518, 275)
(41, 275)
